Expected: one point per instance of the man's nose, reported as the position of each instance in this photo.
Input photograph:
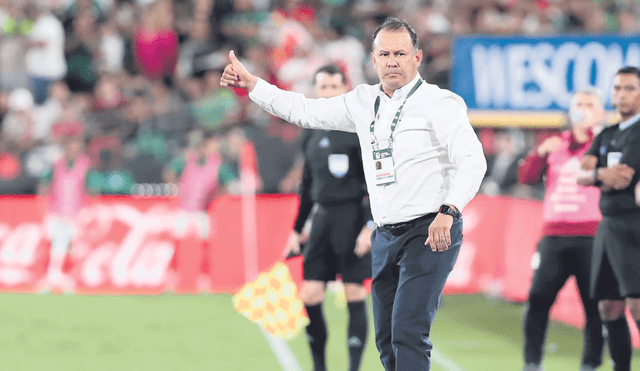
(392, 61)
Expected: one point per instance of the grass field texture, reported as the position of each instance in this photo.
(169, 332)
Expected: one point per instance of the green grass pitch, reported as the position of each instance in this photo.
(204, 332)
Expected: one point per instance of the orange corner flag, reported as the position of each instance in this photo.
(272, 301)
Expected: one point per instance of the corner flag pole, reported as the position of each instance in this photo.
(279, 347)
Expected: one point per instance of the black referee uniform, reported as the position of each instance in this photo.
(334, 180)
(615, 270)
(616, 261)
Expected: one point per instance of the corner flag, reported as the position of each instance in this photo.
(272, 302)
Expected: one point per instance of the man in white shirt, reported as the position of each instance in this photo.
(431, 166)
(45, 55)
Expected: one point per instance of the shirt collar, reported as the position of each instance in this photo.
(625, 124)
(401, 93)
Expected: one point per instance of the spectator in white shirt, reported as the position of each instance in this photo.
(45, 55)
(112, 49)
(18, 125)
(432, 165)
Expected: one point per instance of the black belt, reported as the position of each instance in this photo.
(398, 229)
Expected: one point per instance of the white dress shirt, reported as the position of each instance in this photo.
(437, 156)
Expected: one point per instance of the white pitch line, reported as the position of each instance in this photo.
(443, 361)
(283, 353)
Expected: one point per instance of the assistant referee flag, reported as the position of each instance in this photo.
(272, 302)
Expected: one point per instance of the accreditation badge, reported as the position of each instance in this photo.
(338, 165)
(613, 158)
(383, 162)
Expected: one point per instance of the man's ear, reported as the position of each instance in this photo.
(419, 56)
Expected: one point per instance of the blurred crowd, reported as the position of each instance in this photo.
(138, 80)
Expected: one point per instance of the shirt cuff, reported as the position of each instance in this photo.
(455, 202)
(260, 90)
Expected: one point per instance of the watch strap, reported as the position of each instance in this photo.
(448, 210)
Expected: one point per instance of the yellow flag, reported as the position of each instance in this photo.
(272, 301)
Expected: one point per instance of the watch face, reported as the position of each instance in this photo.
(445, 209)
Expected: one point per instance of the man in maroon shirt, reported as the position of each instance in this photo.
(571, 217)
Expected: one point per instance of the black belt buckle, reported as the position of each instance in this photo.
(399, 229)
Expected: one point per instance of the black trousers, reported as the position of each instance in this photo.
(408, 279)
(559, 258)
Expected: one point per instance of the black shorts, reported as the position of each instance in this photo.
(329, 250)
(616, 259)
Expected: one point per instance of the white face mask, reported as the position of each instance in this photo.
(579, 117)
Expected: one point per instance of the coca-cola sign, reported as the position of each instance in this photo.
(19, 253)
(129, 245)
(120, 245)
(124, 246)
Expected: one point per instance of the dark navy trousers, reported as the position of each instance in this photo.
(408, 279)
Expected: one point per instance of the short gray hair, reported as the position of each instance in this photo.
(589, 91)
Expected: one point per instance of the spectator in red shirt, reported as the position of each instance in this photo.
(155, 44)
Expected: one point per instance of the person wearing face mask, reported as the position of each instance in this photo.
(571, 217)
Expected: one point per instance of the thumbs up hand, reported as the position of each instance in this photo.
(237, 76)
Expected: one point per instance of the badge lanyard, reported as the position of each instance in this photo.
(383, 159)
(376, 106)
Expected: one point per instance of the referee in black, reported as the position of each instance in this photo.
(613, 164)
(339, 240)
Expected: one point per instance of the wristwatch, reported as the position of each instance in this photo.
(596, 181)
(446, 209)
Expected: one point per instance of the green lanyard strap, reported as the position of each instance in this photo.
(376, 106)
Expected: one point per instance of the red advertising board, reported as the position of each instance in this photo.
(231, 217)
(23, 243)
(129, 245)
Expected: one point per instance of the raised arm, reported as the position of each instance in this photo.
(321, 113)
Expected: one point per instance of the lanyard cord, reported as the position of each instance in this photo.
(376, 106)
